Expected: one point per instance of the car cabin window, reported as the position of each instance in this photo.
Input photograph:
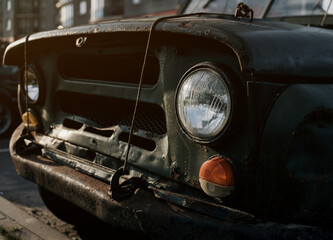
(279, 8)
(224, 6)
(282, 8)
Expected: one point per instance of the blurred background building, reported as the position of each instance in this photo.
(19, 18)
(22, 17)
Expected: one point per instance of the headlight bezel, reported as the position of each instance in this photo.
(34, 70)
(218, 70)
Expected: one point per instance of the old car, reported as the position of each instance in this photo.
(216, 123)
(9, 115)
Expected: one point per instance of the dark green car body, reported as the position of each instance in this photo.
(278, 137)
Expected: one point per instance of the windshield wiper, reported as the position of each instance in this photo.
(316, 5)
(267, 9)
(325, 15)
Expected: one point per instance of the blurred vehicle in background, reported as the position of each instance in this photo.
(9, 115)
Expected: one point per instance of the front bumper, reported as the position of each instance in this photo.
(155, 212)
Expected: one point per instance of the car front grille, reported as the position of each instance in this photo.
(108, 112)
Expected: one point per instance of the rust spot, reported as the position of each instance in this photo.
(175, 172)
(186, 24)
(149, 135)
(196, 183)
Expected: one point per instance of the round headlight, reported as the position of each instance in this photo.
(203, 103)
(31, 84)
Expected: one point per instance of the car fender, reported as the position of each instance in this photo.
(295, 169)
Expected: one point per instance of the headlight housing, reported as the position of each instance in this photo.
(30, 82)
(203, 102)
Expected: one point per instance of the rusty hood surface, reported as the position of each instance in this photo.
(262, 46)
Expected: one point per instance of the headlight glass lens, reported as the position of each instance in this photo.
(31, 84)
(203, 103)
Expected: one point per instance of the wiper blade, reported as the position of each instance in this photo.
(316, 5)
(267, 9)
(325, 15)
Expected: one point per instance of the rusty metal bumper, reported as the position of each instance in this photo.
(149, 211)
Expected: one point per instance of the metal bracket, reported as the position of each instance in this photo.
(243, 11)
(125, 189)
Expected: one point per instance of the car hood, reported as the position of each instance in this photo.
(262, 46)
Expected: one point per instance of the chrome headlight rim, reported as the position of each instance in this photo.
(34, 70)
(218, 70)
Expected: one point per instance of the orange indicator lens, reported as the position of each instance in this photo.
(217, 177)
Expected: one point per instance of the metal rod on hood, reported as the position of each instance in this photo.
(26, 80)
(118, 191)
(141, 79)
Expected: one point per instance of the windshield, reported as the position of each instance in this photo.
(278, 8)
(225, 6)
(282, 8)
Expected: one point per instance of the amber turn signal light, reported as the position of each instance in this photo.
(217, 177)
(30, 120)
